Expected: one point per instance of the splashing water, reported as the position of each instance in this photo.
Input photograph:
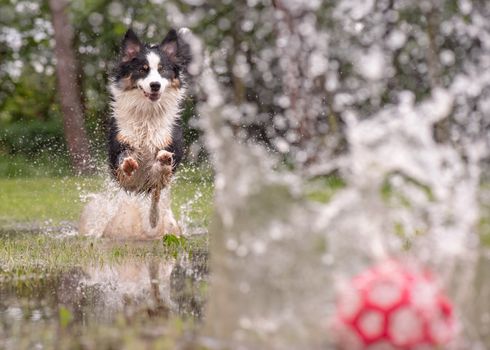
(276, 256)
(429, 189)
(118, 214)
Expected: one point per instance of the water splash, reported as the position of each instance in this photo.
(118, 214)
(276, 255)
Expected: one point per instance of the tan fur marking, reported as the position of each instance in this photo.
(155, 198)
(121, 176)
(175, 83)
(126, 83)
(122, 139)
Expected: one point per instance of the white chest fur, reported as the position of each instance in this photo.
(146, 125)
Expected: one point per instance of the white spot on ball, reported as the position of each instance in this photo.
(371, 324)
(423, 295)
(385, 294)
(405, 326)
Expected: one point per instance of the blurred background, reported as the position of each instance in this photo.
(38, 135)
(415, 47)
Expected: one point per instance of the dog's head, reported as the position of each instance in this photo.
(152, 68)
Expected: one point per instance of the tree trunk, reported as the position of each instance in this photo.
(69, 88)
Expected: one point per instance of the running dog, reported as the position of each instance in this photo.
(145, 135)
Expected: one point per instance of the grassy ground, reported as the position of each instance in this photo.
(41, 199)
(27, 252)
(34, 212)
(56, 199)
(31, 263)
(43, 274)
(44, 164)
(36, 261)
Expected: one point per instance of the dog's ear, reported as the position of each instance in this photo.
(176, 49)
(170, 45)
(131, 46)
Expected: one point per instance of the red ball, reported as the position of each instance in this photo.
(393, 306)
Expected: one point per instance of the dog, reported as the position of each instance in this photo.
(145, 138)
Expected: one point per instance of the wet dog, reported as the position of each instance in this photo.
(145, 134)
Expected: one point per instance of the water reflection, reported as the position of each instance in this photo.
(99, 294)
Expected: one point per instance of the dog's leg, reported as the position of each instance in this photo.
(165, 160)
(154, 212)
(128, 165)
(122, 158)
(162, 175)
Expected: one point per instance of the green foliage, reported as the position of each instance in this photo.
(174, 242)
(32, 99)
(33, 138)
(65, 316)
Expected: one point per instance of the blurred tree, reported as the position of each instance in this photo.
(68, 88)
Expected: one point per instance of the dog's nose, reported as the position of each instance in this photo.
(155, 86)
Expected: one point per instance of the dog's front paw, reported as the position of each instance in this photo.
(165, 158)
(129, 165)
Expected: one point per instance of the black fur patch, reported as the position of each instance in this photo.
(116, 148)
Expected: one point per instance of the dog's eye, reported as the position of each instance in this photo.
(160, 68)
(144, 69)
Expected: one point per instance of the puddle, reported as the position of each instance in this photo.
(133, 288)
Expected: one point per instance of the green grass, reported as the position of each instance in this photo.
(43, 165)
(25, 253)
(34, 263)
(57, 199)
(192, 195)
(41, 199)
(41, 202)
